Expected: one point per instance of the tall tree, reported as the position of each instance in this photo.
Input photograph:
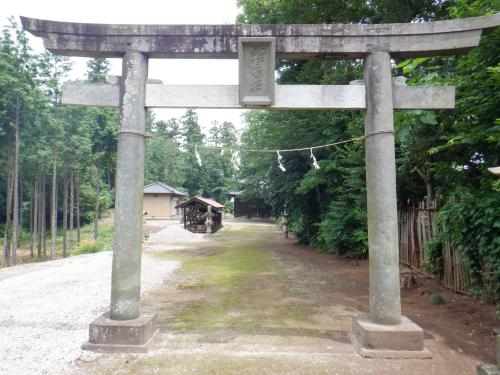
(97, 69)
(103, 133)
(193, 137)
(15, 218)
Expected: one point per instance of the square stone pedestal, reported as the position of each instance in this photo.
(126, 336)
(404, 340)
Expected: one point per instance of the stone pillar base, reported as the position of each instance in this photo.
(121, 336)
(486, 369)
(404, 340)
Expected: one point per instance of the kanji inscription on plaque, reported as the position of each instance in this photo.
(256, 65)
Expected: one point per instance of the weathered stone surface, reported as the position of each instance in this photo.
(286, 96)
(292, 41)
(256, 71)
(403, 340)
(385, 304)
(116, 80)
(396, 81)
(126, 269)
(110, 335)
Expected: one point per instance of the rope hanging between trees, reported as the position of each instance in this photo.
(235, 151)
(236, 148)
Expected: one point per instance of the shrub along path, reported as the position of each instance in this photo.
(250, 302)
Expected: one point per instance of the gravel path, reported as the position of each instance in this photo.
(46, 308)
(174, 232)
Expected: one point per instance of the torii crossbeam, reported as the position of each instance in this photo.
(381, 333)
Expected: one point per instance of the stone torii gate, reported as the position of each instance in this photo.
(381, 333)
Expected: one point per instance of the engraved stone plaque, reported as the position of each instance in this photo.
(256, 65)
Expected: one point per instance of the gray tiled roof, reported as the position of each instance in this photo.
(161, 188)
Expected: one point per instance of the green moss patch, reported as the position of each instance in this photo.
(244, 290)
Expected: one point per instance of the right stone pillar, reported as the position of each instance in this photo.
(383, 333)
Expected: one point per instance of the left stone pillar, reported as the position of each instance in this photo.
(124, 328)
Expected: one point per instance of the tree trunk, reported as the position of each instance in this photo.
(43, 227)
(53, 212)
(77, 211)
(33, 203)
(20, 232)
(6, 242)
(34, 232)
(40, 215)
(15, 216)
(318, 196)
(71, 212)
(426, 175)
(430, 195)
(65, 215)
(97, 192)
(109, 179)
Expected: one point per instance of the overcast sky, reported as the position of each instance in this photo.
(146, 11)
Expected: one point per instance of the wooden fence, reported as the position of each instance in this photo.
(417, 226)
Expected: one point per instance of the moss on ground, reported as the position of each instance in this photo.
(219, 364)
(243, 289)
(230, 267)
(178, 255)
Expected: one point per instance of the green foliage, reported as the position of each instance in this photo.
(338, 11)
(471, 223)
(455, 148)
(164, 160)
(98, 69)
(436, 299)
(79, 138)
(89, 246)
(229, 207)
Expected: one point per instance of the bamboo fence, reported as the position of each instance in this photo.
(417, 226)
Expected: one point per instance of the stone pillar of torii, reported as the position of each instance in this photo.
(383, 332)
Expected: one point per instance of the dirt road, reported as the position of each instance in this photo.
(250, 302)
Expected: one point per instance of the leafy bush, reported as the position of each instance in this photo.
(471, 224)
(89, 247)
(104, 242)
(343, 230)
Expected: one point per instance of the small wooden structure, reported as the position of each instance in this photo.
(201, 215)
(160, 199)
(252, 208)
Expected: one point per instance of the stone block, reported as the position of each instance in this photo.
(134, 335)
(404, 340)
(256, 71)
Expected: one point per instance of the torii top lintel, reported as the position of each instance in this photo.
(292, 41)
